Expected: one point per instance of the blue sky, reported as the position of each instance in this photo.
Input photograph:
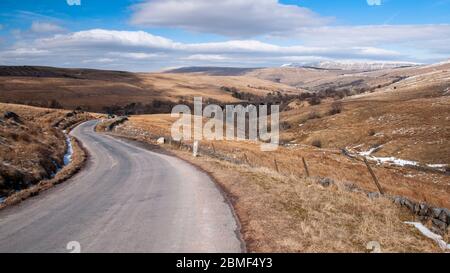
(156, 34)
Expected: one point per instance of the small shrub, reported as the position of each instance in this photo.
(326, 182)
(340, 94)
(285, 126)
(336, 108)
(314, 101)
(313, 115)
(304, 96)
(317, 143)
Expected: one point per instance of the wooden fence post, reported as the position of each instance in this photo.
(276, 164)
(306, 167)
(375, 179)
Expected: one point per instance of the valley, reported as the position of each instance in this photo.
(397, 118)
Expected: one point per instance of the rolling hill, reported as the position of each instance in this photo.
(98, 90)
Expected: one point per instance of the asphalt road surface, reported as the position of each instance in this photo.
(127, 199)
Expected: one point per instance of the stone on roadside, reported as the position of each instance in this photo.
(416, 208)
(439, 224)
(445, 216)
(424, 210)
(436, 212)
(398, 200)
(161, 140)
(437, 231)
(409, 205)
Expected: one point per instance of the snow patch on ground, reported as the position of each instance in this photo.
(69, 152)
(402, 162)
(371, 151)
(441, 167)
(393, 161)
(389, 160)
(437, 165)
(429, 234)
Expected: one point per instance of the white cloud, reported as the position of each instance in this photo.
(206, 57)
(235, 18)
(73, 2)
(107, 38)
(374, 2)
(139, 50)
(133, 40)
(45, 27)
(136, 55)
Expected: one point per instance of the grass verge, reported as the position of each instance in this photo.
(78, 161)
(286, 213)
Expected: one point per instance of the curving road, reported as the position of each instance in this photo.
(127, 199)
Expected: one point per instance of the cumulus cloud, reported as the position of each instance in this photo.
(137, 48)
(235, 18)
(45, 27)
(140, 50)
(107, 38)
(148, 43)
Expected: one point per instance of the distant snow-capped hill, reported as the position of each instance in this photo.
(352, 65)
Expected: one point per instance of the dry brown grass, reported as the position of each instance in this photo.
(33, 149)
(98, 91)
(287, 214)
(280, 212)
(415, 129)
(417, 185)
(79, 158)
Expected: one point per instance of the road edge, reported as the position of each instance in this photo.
(228, 197)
